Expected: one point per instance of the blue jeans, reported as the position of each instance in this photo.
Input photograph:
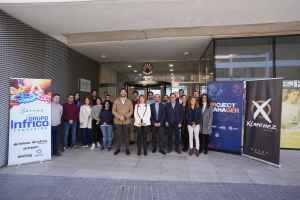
(67, 127)
(55, 133)
(86, 136)
(173, 126)
(107, 133)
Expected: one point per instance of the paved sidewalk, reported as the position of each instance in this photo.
(51, 187)
(215, 167)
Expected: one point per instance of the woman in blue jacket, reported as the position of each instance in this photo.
(193, 118)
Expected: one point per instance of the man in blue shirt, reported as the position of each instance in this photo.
(150, 98)
(157, 124)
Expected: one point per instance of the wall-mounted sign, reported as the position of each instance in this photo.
(147, 68)
(84, 85)
(172, 78)
(102, 79)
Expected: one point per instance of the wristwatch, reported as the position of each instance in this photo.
(125, 117)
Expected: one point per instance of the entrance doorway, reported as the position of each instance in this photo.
(143, 87)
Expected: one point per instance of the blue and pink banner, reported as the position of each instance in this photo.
(227, 101)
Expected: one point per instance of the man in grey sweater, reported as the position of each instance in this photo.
(56, 113)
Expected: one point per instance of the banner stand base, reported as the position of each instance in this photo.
(24, 163)
(263, 161)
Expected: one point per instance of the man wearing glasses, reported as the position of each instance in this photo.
(70, 116)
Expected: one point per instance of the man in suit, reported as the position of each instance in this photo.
(174, 117)
(179, 99)
(157, 123)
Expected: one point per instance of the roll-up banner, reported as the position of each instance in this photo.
(30, 121)
(290, 118)
(263, 120)
(227, 101)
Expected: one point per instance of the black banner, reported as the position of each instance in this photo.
(263, 119)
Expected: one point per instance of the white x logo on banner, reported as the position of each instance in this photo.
(260, 109)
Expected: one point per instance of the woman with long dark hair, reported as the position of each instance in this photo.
(106, 124)
(290, 109)
(206, 122)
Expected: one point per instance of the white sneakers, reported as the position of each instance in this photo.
(98, 144)
(93, 146)
(85, 146)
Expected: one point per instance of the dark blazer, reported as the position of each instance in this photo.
(198, 116)
(177, 100)
(179, 112)
(161, 114)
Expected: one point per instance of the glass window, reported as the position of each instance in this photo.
(243, 59)
(288, 57)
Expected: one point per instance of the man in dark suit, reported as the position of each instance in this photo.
(157, 123)
(174, 117)
(179, 99)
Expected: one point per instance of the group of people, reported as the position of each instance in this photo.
(191, 117)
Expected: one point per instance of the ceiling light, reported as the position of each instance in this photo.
(134, 70)
(211, 73)
(171, 74)
(171, 65)
(103, 56)
(129, 65)
(140, 74)
(186, 53)
(171, 70)
(131, 87)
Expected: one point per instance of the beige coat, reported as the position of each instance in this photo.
(85, 118)
(119, 110)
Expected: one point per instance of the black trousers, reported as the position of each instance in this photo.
(122, 128)
(96, 132)
(161, 140)
(142, 134)
(206, 141)
(185, 137)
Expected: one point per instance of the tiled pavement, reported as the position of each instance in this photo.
(216, 175)
(58, 187)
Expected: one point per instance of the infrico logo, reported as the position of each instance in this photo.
(260, 109)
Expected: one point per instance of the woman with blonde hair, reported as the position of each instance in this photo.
(142, 122)
(193, 118)
(85, 119)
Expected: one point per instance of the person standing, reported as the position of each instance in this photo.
(134, 101)
(108, 98)
(70, 116)
(193, 118)
(56, 113)
(165, 99)
(174, 117)
(106, 124)
(206, 123)
(122, 110)
(157, 121)
(142, 122)
(96, 133)
(78, 103)
(179, 99)
(94, 97)
(85, 118)
(196, 95)
(104, 94)
(150, 98)
(184, 128)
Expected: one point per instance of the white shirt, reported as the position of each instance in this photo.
(204, 106)
(123, 101)
(180, 101)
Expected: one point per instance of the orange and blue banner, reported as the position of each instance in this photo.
(227, 101)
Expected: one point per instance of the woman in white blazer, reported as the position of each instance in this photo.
(85, 119)
(142, 122)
